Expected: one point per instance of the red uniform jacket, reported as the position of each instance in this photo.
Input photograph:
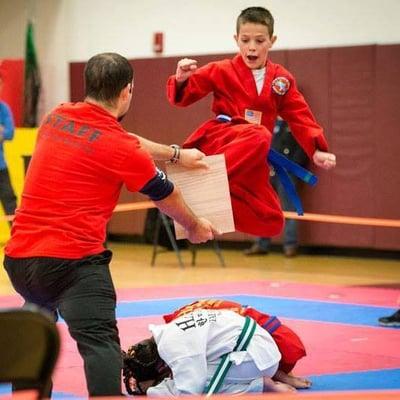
(289, 344)
(256, 207)
(82, 158)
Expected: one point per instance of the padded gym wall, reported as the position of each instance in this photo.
(354, 94)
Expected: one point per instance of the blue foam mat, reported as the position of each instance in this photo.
(5, 389)
(387, 379)
(287, 308)
(310, 310)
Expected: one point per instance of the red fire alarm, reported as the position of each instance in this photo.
(158, 42)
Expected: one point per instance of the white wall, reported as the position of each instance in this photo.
(73, 30)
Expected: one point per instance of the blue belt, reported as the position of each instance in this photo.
(272, 325)
(283, 166)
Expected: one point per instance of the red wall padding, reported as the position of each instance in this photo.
(12, 72)
(354, 94)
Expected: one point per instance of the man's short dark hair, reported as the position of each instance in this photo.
(106, 74)
(256, 15)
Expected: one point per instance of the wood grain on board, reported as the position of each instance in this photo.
(206, 192)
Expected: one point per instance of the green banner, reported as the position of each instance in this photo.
(32, 80)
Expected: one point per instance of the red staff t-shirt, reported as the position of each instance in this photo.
(82, 158)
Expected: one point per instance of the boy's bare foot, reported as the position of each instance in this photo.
(295, 381)
(299, 382)
(277, 387)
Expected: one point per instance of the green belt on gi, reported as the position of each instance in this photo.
(243, 341)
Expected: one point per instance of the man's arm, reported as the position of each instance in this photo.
(199, 229)
(190, 158)
(169, 200)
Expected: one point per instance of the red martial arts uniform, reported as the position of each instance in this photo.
(289, 344)
(86, 157)
(256, 206)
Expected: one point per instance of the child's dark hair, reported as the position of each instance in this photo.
(143, 363)
(256, 15)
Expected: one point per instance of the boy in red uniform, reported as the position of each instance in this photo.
(249, 93)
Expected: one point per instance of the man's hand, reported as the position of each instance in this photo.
(184, 69)
(192, 158)
(324, 160)
(201, 232)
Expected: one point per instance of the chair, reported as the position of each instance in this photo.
(168, 225)
(29, 348)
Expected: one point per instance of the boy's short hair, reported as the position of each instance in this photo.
(106, 74)
(256, 15)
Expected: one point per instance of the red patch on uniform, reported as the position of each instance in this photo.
(280, 85)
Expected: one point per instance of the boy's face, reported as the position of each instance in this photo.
(254, 43)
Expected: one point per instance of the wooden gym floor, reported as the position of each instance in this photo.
(330, 290)
(131, 268)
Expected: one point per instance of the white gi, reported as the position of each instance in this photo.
(192, 346)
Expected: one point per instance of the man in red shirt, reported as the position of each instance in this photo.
(55, 257)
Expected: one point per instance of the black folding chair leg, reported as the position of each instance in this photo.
(218, 251)
(155, 241)
(172, 239)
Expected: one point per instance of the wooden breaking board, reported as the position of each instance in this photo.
(206, 192)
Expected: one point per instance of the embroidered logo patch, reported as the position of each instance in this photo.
(280, 85)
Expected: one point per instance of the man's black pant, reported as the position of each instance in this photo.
(82, 292)
(7, 196)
